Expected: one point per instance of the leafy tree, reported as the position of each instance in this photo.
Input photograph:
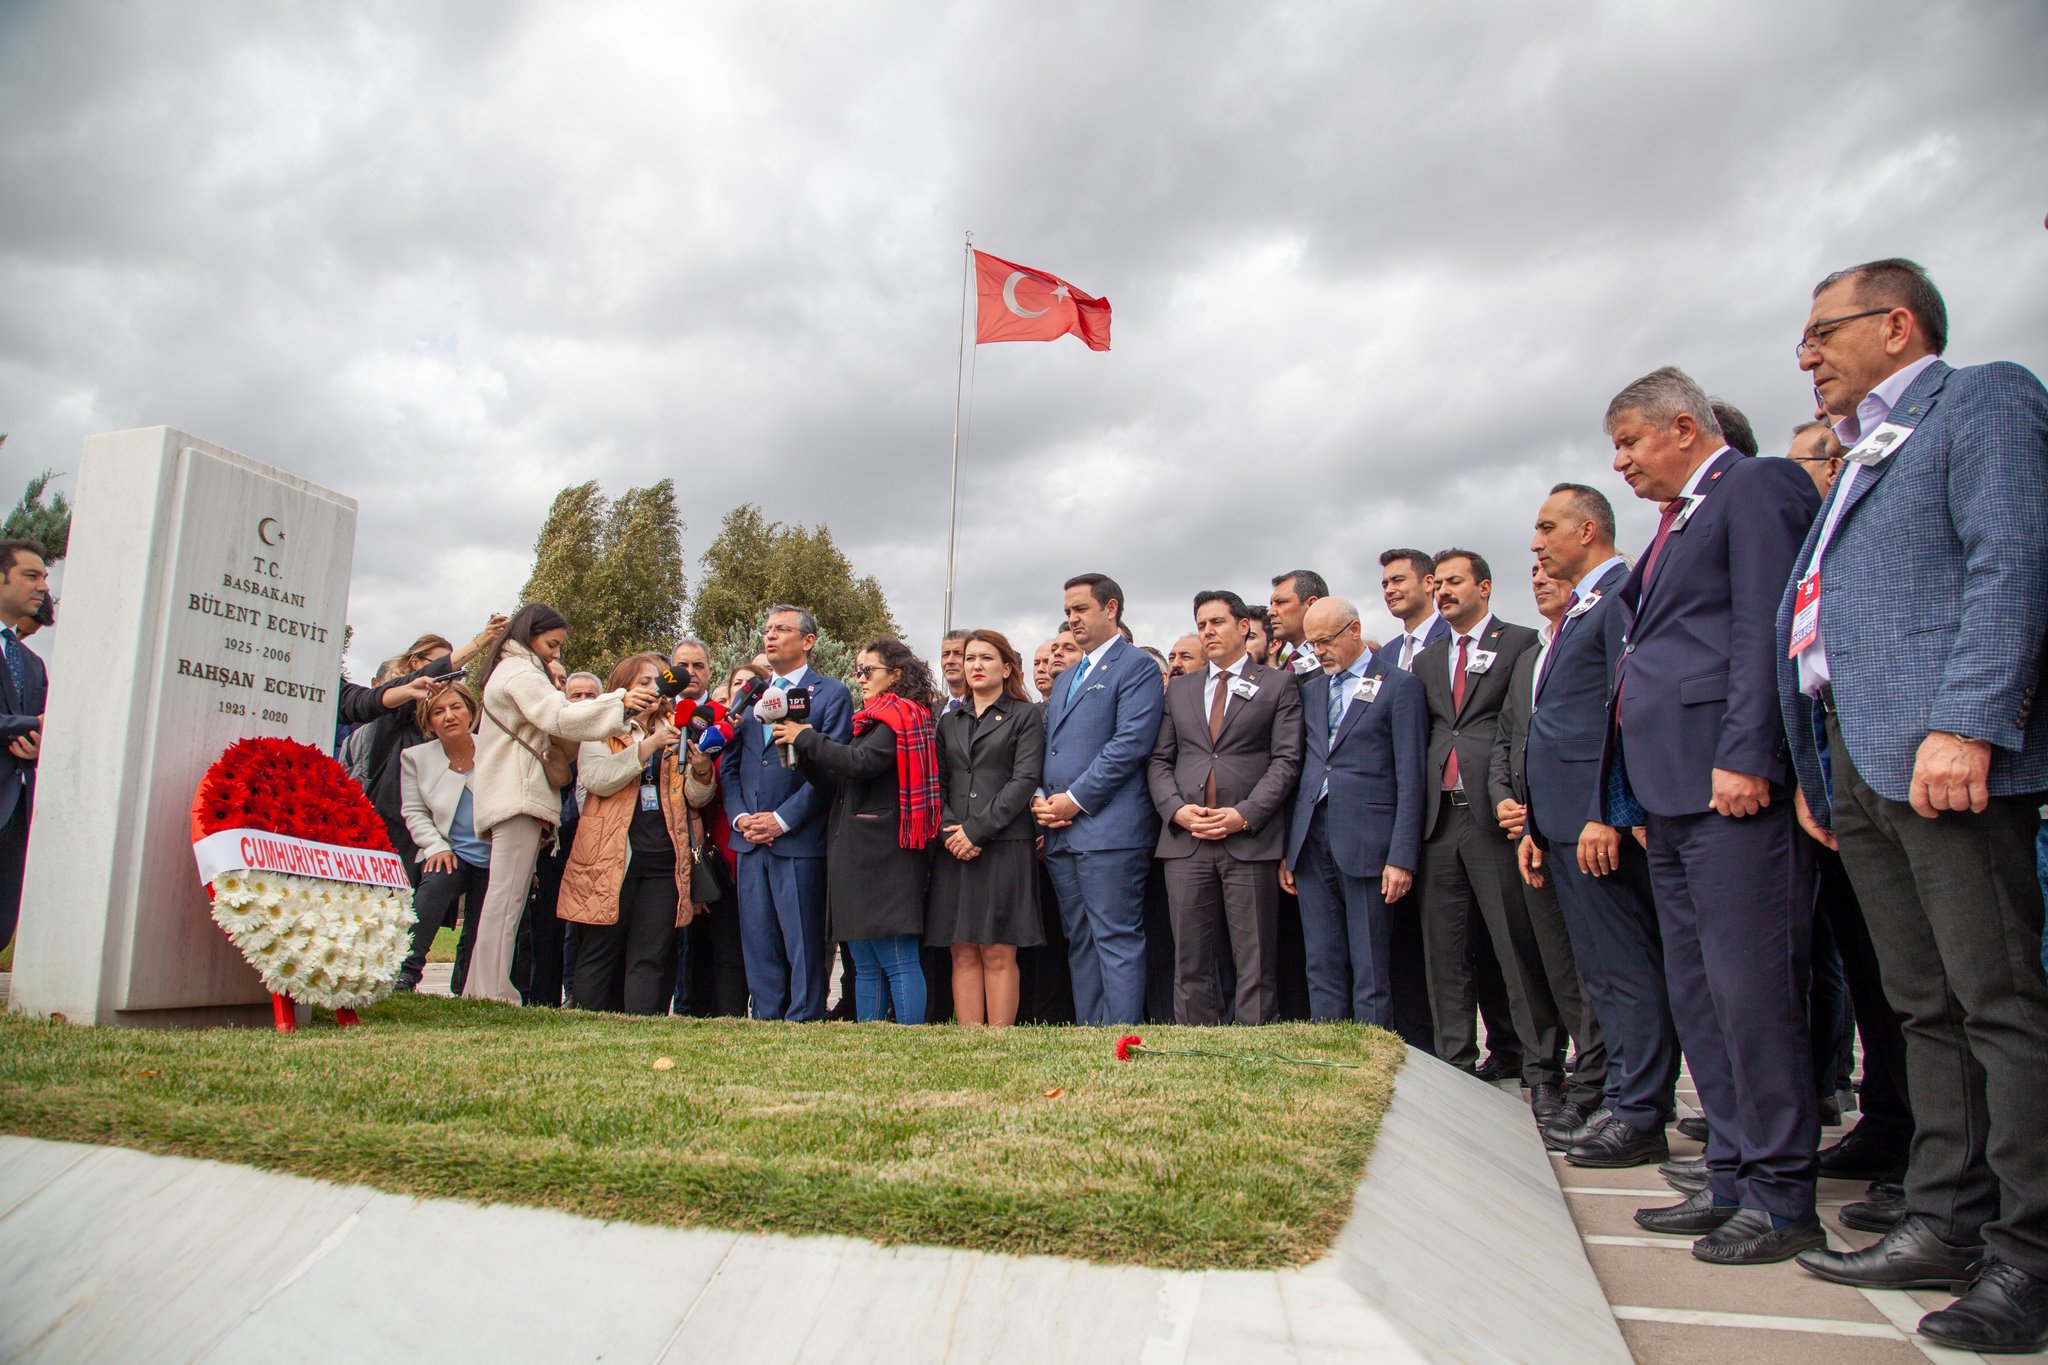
(31, 519)
(742, 642)
(755, 563)
(614, 567)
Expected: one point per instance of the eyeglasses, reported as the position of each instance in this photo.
(1820, 331)
(1325, 641)
(866, 669)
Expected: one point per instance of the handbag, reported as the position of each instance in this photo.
(557, 763)
(708, 883)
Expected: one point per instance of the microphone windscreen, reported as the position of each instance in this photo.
(715, 738)
(685, 708)
(772, 707)
(669, 682)
(799, 700)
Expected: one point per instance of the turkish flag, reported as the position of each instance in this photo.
(1017, 303)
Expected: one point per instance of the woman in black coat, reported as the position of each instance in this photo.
(885, 811)
(985, 880)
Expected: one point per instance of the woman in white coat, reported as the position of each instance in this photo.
(440, 814)
(517, 802)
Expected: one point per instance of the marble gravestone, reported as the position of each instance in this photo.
(204, 599)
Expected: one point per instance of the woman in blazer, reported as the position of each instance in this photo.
(455, 863)
(984, 902)
(627, 882)
(517, 805)
(885, 812)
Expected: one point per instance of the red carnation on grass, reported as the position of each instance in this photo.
(1125, 1044)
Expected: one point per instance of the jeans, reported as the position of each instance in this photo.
(887, 971)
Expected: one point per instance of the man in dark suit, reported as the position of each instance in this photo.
(1355, 835)
(1703, 749)
(1507, 789)
(1467, 863)
(24, 692)
(778, 833)
(1294, 592)
(1936, 760)
(1408, 587)
(1100, 828)
(1221, 773)
(1609, 909)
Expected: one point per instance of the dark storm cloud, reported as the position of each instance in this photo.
(1376, 270)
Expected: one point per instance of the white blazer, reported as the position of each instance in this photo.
(429, 792)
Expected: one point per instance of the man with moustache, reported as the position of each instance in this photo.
(1936, 761)
(1601, 873)
(1468, 866)
(1507, 788)
(1221, 773)
(1698, 738)
(1355, 834)
(1186, 656)
(1100, 725)
(953, 671)
(1293, 593)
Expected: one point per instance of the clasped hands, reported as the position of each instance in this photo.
(1056, 811)
(959, 845)
(1210, 822)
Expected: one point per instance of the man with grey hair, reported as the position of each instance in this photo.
(778, 831)
(1699, 744)
(1817, 450)
(953, 670)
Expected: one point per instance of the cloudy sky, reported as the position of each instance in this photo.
(1376, 268)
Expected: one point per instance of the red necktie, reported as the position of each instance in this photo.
(1457, 705)
(1664, 525)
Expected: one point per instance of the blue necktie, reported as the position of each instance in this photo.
(1337, 684)
(767, 730)
(1074, 687)
(17, 667)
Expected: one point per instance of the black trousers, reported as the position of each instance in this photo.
(1954, 908)
(630, 967)
(1044, 982)
(716, 966)
(1884, 1113)
(537, 965)
(434, 903)
(13, 859)
(1468, 874)
(1561, 969)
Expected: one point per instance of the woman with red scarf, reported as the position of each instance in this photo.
(885, 812)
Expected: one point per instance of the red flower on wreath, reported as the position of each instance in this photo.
(1125, 1044)
(284, 787)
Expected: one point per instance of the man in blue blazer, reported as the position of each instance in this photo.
(1913, 631)
(1101, 723)
(1355, 835)
(1702, 747)
(778, 833)
(24, 691)
(1610, 912)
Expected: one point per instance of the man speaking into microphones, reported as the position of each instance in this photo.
(778, 825)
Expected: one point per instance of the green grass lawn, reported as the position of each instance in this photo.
(938, 1135)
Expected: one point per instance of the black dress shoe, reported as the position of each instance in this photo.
(1694, 1128)
(1698, 1214)
(1861, 1157)
(1910, 1256)
(1544, 1102)
(1573, 1122)
(1614, 1145)
(2004, 1312)
(1879, 1213)
(1499, 1066)
(1749, 1239)
(1686, 1176)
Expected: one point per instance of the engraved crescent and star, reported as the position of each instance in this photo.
(269, 527)
(1010, 295)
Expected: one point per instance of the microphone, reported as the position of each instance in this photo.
(772, 707)
(710, 736)
(798, 700)
(744, 699)
(669, 682)
(685, 709)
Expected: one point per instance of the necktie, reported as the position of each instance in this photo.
(1074, 687)
(1338, 685)
(1664, 524)
(1216, 705)
(17, 667)
(1451, 781)
(1407, 652)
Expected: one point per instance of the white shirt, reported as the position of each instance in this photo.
(1217, 677)
(1477, 633)
(1548, 635)
(1871, 413)
(1343, 679)
(1413, 640)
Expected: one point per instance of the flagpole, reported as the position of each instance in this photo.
(959, 376)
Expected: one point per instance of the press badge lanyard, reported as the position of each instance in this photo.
(1872, 450)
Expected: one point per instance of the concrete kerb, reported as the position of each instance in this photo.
(1459, 1247)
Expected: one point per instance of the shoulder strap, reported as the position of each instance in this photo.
(513, 735)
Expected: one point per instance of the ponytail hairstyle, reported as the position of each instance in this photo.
(535, 618)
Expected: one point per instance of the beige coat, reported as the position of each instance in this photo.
(596, 869)
(509, 780)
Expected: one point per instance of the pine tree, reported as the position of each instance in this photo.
(614, 567)
(755, 563)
